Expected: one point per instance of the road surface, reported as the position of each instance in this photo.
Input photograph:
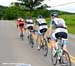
(14, 51)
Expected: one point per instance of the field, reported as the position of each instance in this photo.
(70, 22)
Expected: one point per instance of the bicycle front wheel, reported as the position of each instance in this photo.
(65, 59)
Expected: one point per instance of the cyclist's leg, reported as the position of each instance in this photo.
(19, 28)
(28, 30)
(33, 34)
(65, 48)
(65, 41)
(45, 30)
(53, 40)
(53, 43)
(39, 39)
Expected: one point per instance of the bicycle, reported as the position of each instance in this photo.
(30, 37)
(61, 55)
(44, 45)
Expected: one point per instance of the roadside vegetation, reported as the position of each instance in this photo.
(13, 12)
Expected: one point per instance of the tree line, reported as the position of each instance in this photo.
(26, 8)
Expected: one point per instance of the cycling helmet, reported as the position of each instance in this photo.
(54, 14)
(20, 19)
(29, 17)
(40, 16)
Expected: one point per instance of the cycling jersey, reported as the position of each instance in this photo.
(20, 22)
(42, 25)
(60, 25)
(29, 23)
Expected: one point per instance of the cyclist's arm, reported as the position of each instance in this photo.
(50, 29)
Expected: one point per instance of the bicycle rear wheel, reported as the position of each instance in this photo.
(45, 47)
(31, 40)
(65, 59)
(21, 36)
(53, 58)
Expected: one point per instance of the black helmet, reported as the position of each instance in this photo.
(29, 17)
(54, 14)
(40, 16)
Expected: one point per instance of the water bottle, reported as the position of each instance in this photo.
(59, 53)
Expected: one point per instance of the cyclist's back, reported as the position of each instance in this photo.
(29, 23)
(42, 24)
(61, 27)
(20, 22)
(58, 22)
(20, 25)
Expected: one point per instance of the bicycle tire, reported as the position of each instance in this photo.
(67, 59)
(53, 58)
(21, 36)
(45, 47)
(31, 40)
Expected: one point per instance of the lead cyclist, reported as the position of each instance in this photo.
(60, 31)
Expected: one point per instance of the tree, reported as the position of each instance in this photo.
(30, 4)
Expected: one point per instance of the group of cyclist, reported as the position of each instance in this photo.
(59, 31)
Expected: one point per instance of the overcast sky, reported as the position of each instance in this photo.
(55, 4)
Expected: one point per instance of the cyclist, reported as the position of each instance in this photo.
(42, 26)
(60, 31)
(20, 24)
(30, 25)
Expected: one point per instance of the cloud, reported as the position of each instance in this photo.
(6, 2)
(64, 5)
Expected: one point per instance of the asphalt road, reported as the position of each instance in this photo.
(14, 51)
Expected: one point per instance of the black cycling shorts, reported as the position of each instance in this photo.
(21, 25)
(61, 35)
(43, 30)
(30, 27)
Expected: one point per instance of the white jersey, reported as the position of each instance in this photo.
(60, 25)
(29, 22)
(42, 23)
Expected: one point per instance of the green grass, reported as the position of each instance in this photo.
(70, 22)
(70, 19)
(71, 29)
